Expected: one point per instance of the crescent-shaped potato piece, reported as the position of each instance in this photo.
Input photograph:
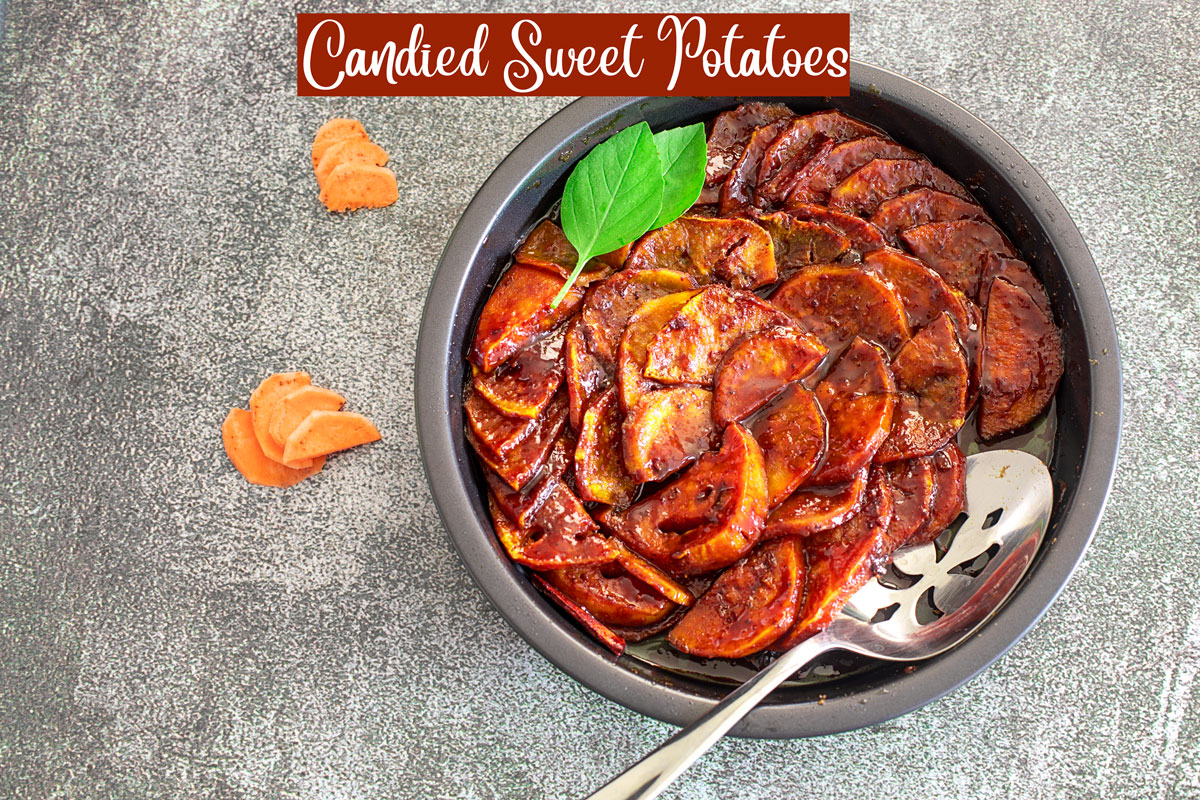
(332, 132)
(791, 433)
(324, 432)
(912, 487)
(949, 493)
(932, 379)
(517, 312)
(837, 303)
(585, 375)
(562, 534)
(352, 150)
(527, 382)
(641, 329)
(884, 178)
(761, 366)
(921, 207)
(956, 250)
(817, 179)
(522, 462)
(739, 190)
(799, 243)
(692, 343)
(547, 247)
(666, 430)
(599, 472)
(863, 236)
(612, 595)
(651, 575)
(247, 456)
(817, 508)
(748, 607)
(520, 506)
(604, 634)
(857, 396)
(923, 293)
(609, 305)
(790, 147)
(733, 250)
(731, 131)
(264, 401)
(1016, 272)
(1022, 361)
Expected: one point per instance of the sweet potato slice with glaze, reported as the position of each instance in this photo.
(791, 433)
(1022, 361)
(599, 472)
(817, 179)
(527, 382)
(666, 430)
(761, 366)
(932, 381)
(325, 432)
(817, 508)
(585, 375)
(841, 560)
(837, 303)
(608, 306)
(692, 343)
(707, 518)
(857, 396)
(604, 634)
(921, 207)
(651, 575)
(885, 178)
(547, 247)
(799, 243)
(750, 605)
(911, 482)
(243, 449)
(731, 131)
(520, 506)
(738, 192)
(611, 594)
(923, 293)
(561, 533)
(517, 312)
(863, 236)
(332, 132)
(293, 407)
(733, 250)
(792, 144)
(956, 250)
(643, 325)
(264, 400)
(498, 433)
(522, 462)
(1016, 272)
(949, 493)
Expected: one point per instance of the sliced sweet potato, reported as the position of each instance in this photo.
(1022, 361)
(356, 185)
(863, 236)
(857, 396)
(792, 145)
(1016, 272)
(841, 560)
(920, 207)
(612, 595)
(884, 178)
(243, 449)
(761, 366)
(606, 635)
(585, 375)
(643, 325)
(666, 430)
(772, 193)
(520, 506)
(517, 312)
(727, 140)
(956, 250)
(837, 303)
(932, 379)
(599, 472)
(527, 382)
(353, 150)
(738, 192)
(949, 492)
(733, 250)
(523, 462)
(547, 247)
(263, 402)
(750, 605)
(791, 433)
(293, 407)
(609, 305)
(325, 432)
(817, 508)
(817, 179)
(561, 533)
(922, 291)
(692, 343)
(332, 132)
(911, 482)
(799, 243)
(498, 433)
(652, 576)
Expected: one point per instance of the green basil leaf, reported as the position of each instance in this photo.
(683, 153)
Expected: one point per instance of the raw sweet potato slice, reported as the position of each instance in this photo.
(932, 381)
(911, 482)
(651, 575)
(523, 462)
(857, 396)
(585, 375)
(738, 192)
(791, 145)
(799, 243)
(920, 207)
(643, 325)
(750, 605)
(761, 366)
(956, 250)
(599, 471)
(733, 250)
(243, 449)
(520, 506)
(354, 185)
(727, 140)
(841, 560)
(791, 433)
(561, 533)
(863, 236)
(666, 430)
(612, 595)
(1022, 361)
(517, 312)
(707, 518)
(547, 247)
(949, 493)
(527, 382)
(817, 508)
(263, 402)
(604, 634)
(817, 179)
(885, 178)
(293, 407)
(353, 150)
(1016, 272)
(608, 306)
(692, 343)
(332, 132)
(325, 432)
(836, 303)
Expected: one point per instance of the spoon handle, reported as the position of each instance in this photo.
(647, 778)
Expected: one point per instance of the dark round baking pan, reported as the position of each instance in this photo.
(524, 188)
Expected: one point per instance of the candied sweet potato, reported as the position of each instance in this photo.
(772, 192)
(498, 433)
(949, 493)
(793, 143)
(600, 474)
(325, 432)
(264, 400)
(791, 433)
(921, 207)
(293, 407)
(884, 178)
(857, 396)
(748, 607)
(585, 374)
(332, 132)
(837, 303)
(1016, 272)
(956, 250)
(733, 250)
(666, 430)
(604, 634)
(727, 141)
(353, 150)
(611, 594)
(355, 184)
(651, 575)
(738, 192)
(761, 366)
(520, 506)
(912, 488)
(243, 449)
(1022, 361)
(528, 381)
(608, 306)
(522, 462)
(863, 236)
(517, 312)
(817, 179)
(799, 243)
(561, 533)
(923, 293)
(817, 508)
(643, 325)
(547, 247)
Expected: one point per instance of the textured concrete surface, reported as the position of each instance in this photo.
(167, 630)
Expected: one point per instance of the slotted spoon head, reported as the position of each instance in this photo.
(933, 598)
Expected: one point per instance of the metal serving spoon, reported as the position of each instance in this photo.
(1009, 497)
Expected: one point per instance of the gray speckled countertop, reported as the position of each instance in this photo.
(167, 630)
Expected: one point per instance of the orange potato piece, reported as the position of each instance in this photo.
(858, 396)
(885, 178)
(791, 433)
(733, 250)
(517, 312)
(912, 487)
(921, 207)
(561, 533)
(1022, 361)
(586, 376)
(608, 637)
(356, 185)
(666, 430)
(931, 376)
(547, 247)
(817, 508)
(957, 249)
(643, 325)
(864, 237)
(263, 401)
(520, 506)
(614, 596)
(332, 132)
(527, 382)
(949, 493)
(243, 449)
(748, 607)
(799, 243)
(738, 192)
(498, 433)
(651, 575)
(608, 306)
(731, 131)
(521, 463)
(691, 344)
(761, 366)
(599, 472)
(324, 432)
(1017, 273)
(354, 150)
(798, 137)
(837, 303)
(293, 407)
(816, 180)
